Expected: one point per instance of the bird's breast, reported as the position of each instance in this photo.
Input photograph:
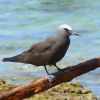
(60, 50)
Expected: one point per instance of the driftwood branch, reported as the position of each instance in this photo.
(67, 74)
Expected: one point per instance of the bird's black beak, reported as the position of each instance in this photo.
(72, 32)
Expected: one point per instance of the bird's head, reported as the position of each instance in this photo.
(66, 29)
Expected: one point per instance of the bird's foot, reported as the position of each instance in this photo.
(51, 78)
(59, 70)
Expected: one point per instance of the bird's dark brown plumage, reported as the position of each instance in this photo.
(47, 52)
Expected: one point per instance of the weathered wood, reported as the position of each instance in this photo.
(39, 85)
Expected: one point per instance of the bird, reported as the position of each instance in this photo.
(47, 52)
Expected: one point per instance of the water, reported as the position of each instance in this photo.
(24, 22)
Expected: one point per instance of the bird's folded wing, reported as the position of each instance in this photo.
(42, 46)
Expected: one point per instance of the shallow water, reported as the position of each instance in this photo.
(24, 22)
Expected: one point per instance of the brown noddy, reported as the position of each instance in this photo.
(47, 52)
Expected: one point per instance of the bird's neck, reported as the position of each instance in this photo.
(63, 36)
(63, 39)
(67, 37)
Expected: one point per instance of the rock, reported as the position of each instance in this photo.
(5, 86)
(66, 91)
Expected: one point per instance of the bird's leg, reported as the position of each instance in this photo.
(46, 70)
(50, 77)
(57, 67)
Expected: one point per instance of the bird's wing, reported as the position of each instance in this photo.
(41, 51)
(39, 54)
(42, 46)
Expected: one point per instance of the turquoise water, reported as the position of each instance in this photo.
(24, 22)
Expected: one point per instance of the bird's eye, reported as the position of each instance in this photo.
(66, 29)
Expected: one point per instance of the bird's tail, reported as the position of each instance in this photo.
(21, 58)
(10, 59)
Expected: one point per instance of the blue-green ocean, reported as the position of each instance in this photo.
(24, 22)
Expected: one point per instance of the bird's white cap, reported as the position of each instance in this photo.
(65, 26)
